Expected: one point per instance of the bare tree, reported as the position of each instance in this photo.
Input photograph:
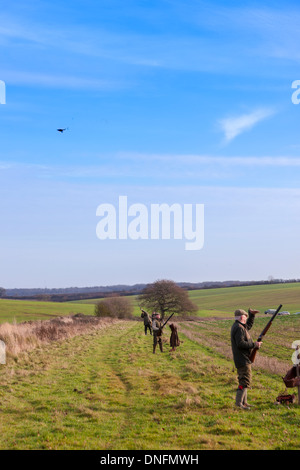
(166, 296)
(102, 309)
(119, 307)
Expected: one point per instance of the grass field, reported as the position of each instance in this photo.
(220, 302)
(106, 390)
(24, 310)
(223, 301)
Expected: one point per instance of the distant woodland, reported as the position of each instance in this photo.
(81, 293)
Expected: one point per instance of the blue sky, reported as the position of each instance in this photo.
(165, 102)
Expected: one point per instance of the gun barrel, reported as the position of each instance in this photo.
(168, 320)
(264, 331)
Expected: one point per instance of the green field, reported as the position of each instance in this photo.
(221, 302)
(105, 390)
(224, 301)
(24, 310)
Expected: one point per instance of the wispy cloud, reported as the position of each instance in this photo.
(194, 159)
(58, 80)
(234, 126)
(139, 168)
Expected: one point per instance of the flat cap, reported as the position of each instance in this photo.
(240, 312)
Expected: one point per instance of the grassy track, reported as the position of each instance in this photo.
(107, 390)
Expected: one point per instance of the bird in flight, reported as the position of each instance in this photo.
(62, 130)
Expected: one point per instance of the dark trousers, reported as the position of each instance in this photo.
(244, 376)
(157, 340)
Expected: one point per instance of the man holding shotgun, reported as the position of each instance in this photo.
(157, 331)
(157, 327)
(242, 346)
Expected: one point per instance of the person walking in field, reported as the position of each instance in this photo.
(147, 321)
(242, 345)
(157, 331)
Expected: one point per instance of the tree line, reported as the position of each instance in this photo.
(80, 293)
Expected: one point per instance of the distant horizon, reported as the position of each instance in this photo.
(121, 285)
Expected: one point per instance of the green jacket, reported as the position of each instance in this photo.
(156, 326)
(147, 319)
(241, 342)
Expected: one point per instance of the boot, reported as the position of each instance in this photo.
(240, 393)
(160, 346)
(154, 347)
(245, 399)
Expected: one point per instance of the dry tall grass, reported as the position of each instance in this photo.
(19, 337)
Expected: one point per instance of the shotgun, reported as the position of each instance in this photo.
(167, 320)
(264, 331)
(160, 332)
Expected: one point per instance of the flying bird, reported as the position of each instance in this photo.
(62, 130)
